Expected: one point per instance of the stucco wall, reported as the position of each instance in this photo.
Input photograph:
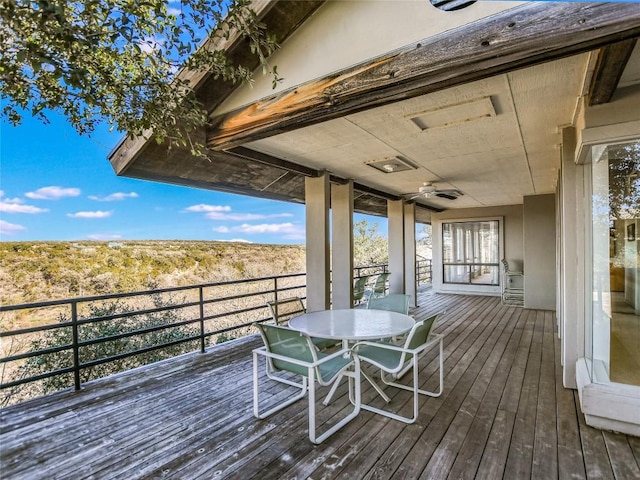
(540, 252)
(341, 34)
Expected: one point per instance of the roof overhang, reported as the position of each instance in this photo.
(524, 36)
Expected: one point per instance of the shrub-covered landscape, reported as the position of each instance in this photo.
(40, 271)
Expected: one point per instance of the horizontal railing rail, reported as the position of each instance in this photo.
(207, 310)
(93, 331)
(368, 270)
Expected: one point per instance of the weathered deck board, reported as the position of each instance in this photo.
(503, 414)
(570, 455)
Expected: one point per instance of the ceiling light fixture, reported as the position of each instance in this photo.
(392, 164)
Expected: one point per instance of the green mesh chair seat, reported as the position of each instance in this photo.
(395, 361)
(380, 287)
(285, 309)
(291, 343)
(287, 350)
(394, 302)
(360, 288)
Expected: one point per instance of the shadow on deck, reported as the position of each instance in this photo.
(503, 414)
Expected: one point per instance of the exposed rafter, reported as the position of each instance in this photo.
(281, 20)
(523, 36)
(273, 161)
(612, 61)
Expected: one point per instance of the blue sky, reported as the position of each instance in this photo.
(58, 185)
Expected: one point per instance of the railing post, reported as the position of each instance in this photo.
(201, 291)
(275, 289)
(74, 342)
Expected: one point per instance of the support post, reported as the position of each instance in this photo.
(410, 287)
(395, 213)
(342, 245)
(317, 228)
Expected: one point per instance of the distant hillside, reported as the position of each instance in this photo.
(39, 271)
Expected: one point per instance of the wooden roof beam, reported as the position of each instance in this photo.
(610, 65)
(520, 37)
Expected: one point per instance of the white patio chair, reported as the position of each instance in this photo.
(360, 288)
(285, 309)
(512, 286)
(395, 361)
(292, 351)
(380, 286)
(394, 302)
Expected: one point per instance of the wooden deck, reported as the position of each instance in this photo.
(503, 414)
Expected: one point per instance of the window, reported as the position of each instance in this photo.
(612, 331)
(471, 252)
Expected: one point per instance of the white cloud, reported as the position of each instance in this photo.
(96, 214)
(9, 200)
(268, 228)
(13, 200)
(237, 217)
(53, 193)
(114, 197)
(221, 229)
(7, 228)
(14, 205)
(104, 236)
(243, 217)
(202, 207)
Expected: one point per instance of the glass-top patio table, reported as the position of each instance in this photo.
(353, 325)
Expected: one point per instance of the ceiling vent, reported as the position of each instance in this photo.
(392, 165)
(450, 115)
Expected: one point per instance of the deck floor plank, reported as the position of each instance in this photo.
(468, 459)
(520, 457)
(545, 447)
(623, 462)
(445, 455)
(504, 414)
(595, 455)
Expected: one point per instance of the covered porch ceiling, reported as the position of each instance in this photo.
(480, 118)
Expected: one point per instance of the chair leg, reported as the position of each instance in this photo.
(395, 416)
(414, 389)
(280, 406)
(312, 408)
(422, 392)
(332, 391)
(363, 374)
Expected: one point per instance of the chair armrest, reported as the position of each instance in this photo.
(389, 346)
(263, 351)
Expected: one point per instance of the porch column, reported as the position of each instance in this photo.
(395, 213)
(342, 245)
(571, 320)
(317, 228)
(410, 287)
